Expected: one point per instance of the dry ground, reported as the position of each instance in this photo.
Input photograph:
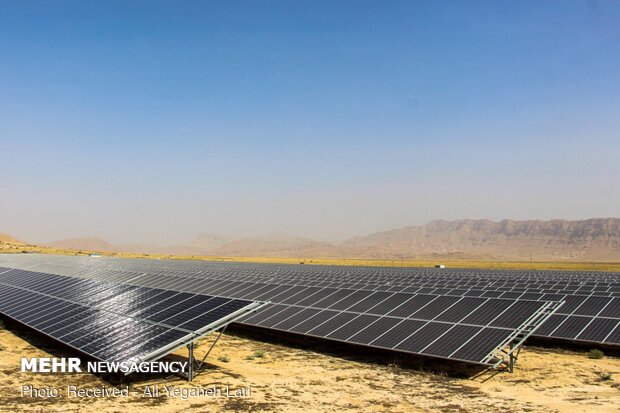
(567, 265)
(288, 379)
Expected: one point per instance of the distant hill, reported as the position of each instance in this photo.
(89, 244)
(207, 243)
(98, 244)
(592, 239)
(9, 239)
(278, 245)
(275, 245)
(597, 238)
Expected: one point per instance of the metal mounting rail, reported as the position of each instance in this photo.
(193, 367)
(507, 352)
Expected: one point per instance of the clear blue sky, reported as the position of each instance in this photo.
(156, 121)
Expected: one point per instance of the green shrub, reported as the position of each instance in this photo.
(259, 354)
(596, 354)
(224, 359)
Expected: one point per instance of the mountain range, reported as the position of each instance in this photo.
(595, 239)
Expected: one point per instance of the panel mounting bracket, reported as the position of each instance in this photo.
(507, 353)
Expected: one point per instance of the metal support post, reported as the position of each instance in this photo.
(199, 364)
(190, 365)
(212, 345)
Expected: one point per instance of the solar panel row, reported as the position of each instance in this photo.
(591, 312)
(595, 296)
(456, 327)
(505, 283)
(109, 321)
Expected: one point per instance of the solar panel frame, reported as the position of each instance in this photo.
(82, 325)
(378, 285)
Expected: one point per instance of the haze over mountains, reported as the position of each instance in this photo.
(591, 239)
(8, 239)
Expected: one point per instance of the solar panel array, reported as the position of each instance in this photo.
(367, 306)
(111, 321)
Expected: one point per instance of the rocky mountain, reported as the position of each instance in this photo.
(591, 239)
(597, 238)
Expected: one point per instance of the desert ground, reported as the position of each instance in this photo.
(15, 247)
(292, 378)
(289, 378)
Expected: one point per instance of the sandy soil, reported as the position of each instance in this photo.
(288, 379)
(451, 261)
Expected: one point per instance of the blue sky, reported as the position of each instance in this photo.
(156, 121)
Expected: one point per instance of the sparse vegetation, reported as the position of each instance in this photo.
(259, 354)
(295, 380)
(604, 375)
(596, 354)
(224, 359)
(249, 358)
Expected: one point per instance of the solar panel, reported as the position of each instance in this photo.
(424, 337)
(351, 328)
(113, 322)
(305, 298)
(597, 330)
(483, 343)
(316, 320)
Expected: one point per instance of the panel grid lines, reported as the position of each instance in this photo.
(310, 297)
(107, 320)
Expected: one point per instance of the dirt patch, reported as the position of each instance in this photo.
(290, 379)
